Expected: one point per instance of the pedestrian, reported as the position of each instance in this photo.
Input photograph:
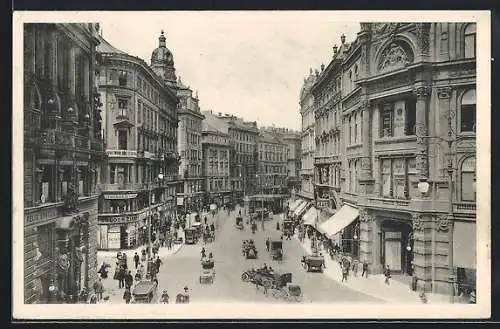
(158, 263)
(98, 289)
(355, 265)
(345, 273)
(136, 260)
(129, 280)
(277, 226)
(387, 274)
(205, 220)
(365, 269)
(121, 277)
(267, 244)
(127, 295)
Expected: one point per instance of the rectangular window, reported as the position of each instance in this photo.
(468, 193)
(399, 181)
(470, 46)
(122, 106)
(139, 112)
(122, 139)
(410, 117)
(386, 121)
(468, 118)
(386, 178)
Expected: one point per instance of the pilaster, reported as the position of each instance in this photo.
(422, 93)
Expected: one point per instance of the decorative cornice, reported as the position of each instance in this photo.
(365, 215)
(418, 223)
(422, 92)
(444, 92)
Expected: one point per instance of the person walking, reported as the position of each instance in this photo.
(345, 272)
(365, 269)
(136, 260)
(121, 277)
(387, 274)
(355, 265)
(129, 280)
(99, 289)
(267, 244)
(158, 263)
(127, 296)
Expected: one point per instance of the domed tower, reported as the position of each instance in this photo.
(162, 61)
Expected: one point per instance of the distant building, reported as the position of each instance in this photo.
(243, 138)
(292, 139)
(190, 188)
(63, 151)
(140, 124)
(216, 162)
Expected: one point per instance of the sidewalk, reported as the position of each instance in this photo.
(110, 285)
(396, 293)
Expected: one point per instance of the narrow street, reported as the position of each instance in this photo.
(184, 268)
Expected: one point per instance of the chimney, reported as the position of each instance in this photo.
(342, 38)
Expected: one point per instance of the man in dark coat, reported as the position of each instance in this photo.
(129, 280)
(267, 244)
(158, 263)
(136, 260)
(127, 295)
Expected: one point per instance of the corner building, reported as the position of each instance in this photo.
(406, 89)
(63, 150)
(140, 122)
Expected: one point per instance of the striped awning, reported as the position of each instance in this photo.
(300, 209)
(296, 204)
(310, 216)
(345, 216)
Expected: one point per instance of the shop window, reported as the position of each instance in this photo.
(122, 139)
(470, 41)
(410, 117)
(468, 112)
(398, 118)
(123, 78)
(47, 184)
(45, 241)
(386, 121)
(386, 178)
(468, 179)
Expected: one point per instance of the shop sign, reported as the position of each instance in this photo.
(180, 201)
(392, 235)
(119, 196)
(41, 216)
(117, 219)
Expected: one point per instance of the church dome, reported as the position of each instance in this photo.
(162, 55)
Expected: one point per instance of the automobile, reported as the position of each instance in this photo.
(144, 292)
(276, 249)
(190, 236)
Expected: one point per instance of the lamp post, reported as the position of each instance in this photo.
(150, 216)
(423, 187)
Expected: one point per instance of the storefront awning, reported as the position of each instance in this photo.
(345, 216)
(464, 244)
(296, 204)
(300, 208)
(310, 216)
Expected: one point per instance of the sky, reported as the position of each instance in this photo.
(251, 65)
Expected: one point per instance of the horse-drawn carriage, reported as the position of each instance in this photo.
(313, 263)
(260, 213)
(239, 223)
(144, 292)
(248, 249)
(208, 236)
(288, 227)
(207, 271)
(190, 236)
(276, 249)
(278, 285)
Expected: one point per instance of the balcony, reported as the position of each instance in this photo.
(385, 203)
(122, 187)
(121, 153)
(465, 208)
(325, 159)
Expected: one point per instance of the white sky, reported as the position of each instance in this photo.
(248, 64)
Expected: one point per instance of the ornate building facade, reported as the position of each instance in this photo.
(308, 145)
(190, 188)
(140, 122)
(63, 149)
(408, 150)
(216, 162)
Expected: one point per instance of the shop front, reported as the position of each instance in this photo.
(342, 230)
(464, 256)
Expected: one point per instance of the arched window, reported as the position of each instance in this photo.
(470, 41)
(356, 128)
(468, 112)
(468, 178)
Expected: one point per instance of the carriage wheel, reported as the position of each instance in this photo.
(245, 277)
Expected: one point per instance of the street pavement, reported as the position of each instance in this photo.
(183, 268)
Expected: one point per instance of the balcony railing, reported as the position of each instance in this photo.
(468, 208)
(121, 153)
(122, 187)
(391, 203)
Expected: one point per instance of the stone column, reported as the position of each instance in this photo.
(423, 250)
(369, 249)
(441, 124)
(422, 93)
(366, 180)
